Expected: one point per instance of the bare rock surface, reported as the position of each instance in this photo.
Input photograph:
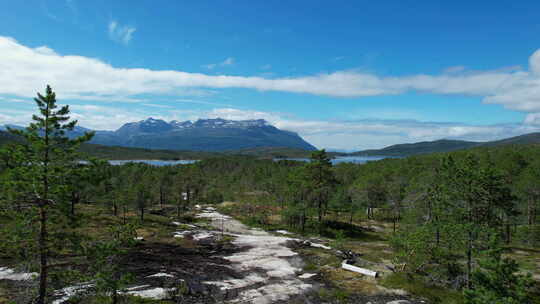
(10, 274)
(273, 266)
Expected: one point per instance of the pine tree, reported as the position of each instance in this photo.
(47, 159)
(321, 181)
(498, 282)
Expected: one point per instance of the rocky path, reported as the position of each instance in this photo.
(275, 272)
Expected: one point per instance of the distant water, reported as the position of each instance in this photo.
(345, 159)
(161, 163)
(158, 163)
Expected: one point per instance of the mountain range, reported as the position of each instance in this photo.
(252, 137)
(202, 135)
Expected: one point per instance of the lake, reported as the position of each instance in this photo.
(344, 159)
(160, 163)
(153, 162)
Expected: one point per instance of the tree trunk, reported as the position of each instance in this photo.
(43, 250)
(530, 212)
(352, 212)
(115, 208)
(142, 214)
(161, 197)
(42, 254)
(469, 261)
(75, 199)
(469, 243)
(178, 206)
(508, 232)
(188, 196)
(320, 216)
(124, 215)
(303, 220)
(438, 232)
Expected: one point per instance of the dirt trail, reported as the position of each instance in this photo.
(228, 224)
(273, 268)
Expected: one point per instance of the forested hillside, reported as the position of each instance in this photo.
(446, 145)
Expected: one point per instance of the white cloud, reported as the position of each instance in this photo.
(155, 105)
(374, 133)
(18, 100)
(121, 33)
(23, 70)
(43, 50)
(533, 119)
(210, 66)
(202, 102)
(227, 62)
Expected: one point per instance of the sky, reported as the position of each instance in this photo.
(345, 75)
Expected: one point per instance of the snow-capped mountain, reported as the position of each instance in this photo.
(152, 125)
(149, 125)
(202, 135)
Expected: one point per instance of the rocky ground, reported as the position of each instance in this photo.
(228, 262)
(275, 271)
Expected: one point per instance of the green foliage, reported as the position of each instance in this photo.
(104, 256)
(318, 182)
(213, 196)
(130, 153)
(334, 294)
(416, 286)
(339, 240)
(498, 281)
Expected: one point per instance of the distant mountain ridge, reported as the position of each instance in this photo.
(152, 125)
(251, 137)
(446, 145)
(202, 135)
(424, 147)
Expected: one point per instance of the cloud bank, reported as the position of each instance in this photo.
(375, 133)
(24, 69)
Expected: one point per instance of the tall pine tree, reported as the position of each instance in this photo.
(47, 159)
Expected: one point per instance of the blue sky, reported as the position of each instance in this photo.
(343, 74)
